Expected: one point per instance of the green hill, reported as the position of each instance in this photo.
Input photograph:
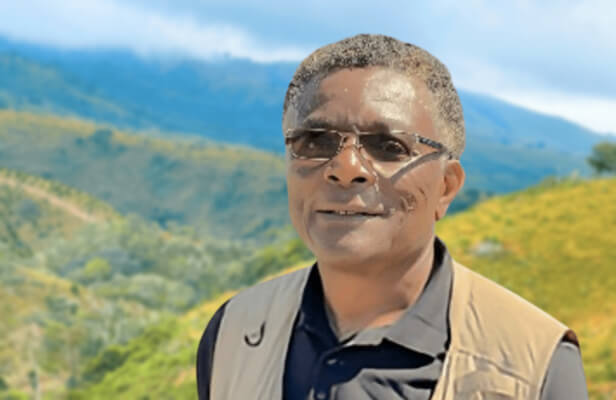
(34, 210)
(50, 326)
(554, 244)
(77, 278)
(46, 225)
(224, 191)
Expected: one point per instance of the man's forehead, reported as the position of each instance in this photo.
(379, 83)
(372, 97)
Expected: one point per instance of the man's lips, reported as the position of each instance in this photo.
(349, 212)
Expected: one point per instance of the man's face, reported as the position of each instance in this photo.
(388, 218)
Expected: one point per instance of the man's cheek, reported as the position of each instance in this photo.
(413, 193)
(303, 171)
(299, 212)
(296, 208)
(407, 198)
(408, 202)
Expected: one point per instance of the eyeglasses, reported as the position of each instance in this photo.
(391, 146)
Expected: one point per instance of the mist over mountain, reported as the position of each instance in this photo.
(240, 102)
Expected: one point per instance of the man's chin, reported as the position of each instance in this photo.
(346, 250)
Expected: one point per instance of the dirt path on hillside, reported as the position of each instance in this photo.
(54, 200)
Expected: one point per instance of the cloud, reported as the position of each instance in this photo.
(564, 46)
(528, 90)
(111, 24)
(593, 112)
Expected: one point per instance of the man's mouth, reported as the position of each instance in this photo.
(349, 213)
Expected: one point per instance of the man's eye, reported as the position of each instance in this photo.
(315, 144)
(309, 140)
(384, 147)
(318, 139)
(394, 147)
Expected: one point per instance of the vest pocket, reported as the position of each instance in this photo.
(485, 385)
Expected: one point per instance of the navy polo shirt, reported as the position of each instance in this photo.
(400, 361)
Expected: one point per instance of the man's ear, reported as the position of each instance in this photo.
(453, 180)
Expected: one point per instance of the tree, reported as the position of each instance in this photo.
(603, 158)
(97, 269)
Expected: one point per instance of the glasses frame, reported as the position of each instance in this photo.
(440, 147)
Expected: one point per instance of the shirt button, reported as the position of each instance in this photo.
(321, 395)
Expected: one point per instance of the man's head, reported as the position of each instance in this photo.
(378, 50)
(363, 202)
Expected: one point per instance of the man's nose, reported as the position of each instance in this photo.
(349, 169)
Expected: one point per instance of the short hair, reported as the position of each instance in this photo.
(364, 50)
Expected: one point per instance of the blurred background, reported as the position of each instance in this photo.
(142, 172)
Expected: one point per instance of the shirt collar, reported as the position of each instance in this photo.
(312, 314)
(424, 327)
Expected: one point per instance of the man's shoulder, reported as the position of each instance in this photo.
(492, 296)
(486, 316)
(491, 323)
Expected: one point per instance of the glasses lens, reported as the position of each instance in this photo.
(315, 143)
(386, 147)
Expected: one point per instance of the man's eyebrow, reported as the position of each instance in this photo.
(318, 123)
(345, 125)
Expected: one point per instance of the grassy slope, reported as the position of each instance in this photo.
(167, 181)
(33, 210)
(554, 245)
(50, 226)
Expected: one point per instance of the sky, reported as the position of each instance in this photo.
(558, 57)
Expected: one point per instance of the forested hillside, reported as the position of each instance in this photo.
(77, 277)
(553, 244)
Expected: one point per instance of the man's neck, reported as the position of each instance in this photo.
(378, 295)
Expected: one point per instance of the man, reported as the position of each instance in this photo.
(374, 132)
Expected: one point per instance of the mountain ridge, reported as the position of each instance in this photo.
(243, 94)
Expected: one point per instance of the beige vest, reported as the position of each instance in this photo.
(501, 345)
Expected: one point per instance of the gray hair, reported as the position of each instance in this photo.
(362, 51)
